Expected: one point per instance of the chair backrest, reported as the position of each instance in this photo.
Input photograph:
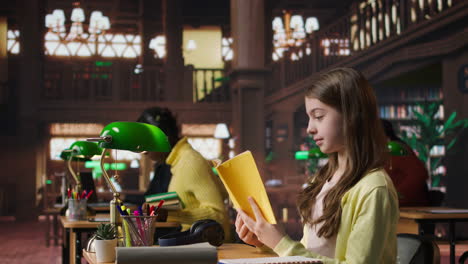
(87, 183)
(415, 249)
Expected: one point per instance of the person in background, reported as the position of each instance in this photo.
(350, 206)
(408, 173)
(185, 171)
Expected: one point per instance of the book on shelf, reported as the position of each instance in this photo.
(271, 260)
(171, 200)
(241, 178)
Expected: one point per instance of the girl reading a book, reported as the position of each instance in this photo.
(350, 207)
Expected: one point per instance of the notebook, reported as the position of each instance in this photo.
(241, 178)
(171, 200)
(271, 260)
(199, 253)
(161, 196)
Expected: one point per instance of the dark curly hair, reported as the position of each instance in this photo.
(164, 119)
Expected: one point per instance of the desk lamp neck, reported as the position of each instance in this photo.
(75, 176)
(114, 216)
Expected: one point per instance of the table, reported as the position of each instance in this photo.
(409, 216)
(71, 242)
(51, 214)
(226, 251)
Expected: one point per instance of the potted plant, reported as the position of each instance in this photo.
(432, 131)
(105, 242)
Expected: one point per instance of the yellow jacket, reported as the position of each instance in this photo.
(198, 188)
(367, 232)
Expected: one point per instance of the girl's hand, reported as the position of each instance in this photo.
(265, 232)
(245, 234)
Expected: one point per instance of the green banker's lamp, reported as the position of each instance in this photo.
(396, 148)
(79, 151)
(132, 136)
(313, 153)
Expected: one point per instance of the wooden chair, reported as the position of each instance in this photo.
(463, 257)
(416, 249)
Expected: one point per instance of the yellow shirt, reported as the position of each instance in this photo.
(367, 232)
(198, 188)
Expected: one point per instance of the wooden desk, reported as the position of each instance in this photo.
(412, 218)
(52, 214)
(226, 251)
(72, 235)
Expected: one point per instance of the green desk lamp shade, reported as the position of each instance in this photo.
(66, 153)
(133, 136)
(79, 151)
(83, 149)
(396, 148)
(313, 153)
(215, 171)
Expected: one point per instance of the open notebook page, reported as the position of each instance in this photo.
(270, 260)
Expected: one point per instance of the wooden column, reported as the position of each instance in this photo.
(248, 76)
(150, 26)
(30, 83)
(174, 63)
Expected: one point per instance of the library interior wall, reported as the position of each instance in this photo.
(457, 167)
(457, 101)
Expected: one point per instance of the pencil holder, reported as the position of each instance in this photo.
(138, 231)
(77, 209)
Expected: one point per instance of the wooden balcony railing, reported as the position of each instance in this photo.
(90, 81)
(121, 81)
(210, 85)
(369, 23)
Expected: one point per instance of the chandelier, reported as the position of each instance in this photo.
(291, 31)
(98, 24)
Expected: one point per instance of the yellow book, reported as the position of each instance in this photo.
(242, 179)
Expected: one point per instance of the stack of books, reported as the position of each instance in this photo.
(171, 200)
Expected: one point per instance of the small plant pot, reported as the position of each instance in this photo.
(105, 250)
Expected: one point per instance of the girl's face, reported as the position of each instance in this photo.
(325, 125)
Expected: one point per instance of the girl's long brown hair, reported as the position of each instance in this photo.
(349, 92)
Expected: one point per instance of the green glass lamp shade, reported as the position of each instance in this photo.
(81, 151)
(134, 136)
(85, 149)
(65, 155)
(215, 171)
(301, 155)
(313, 153)
(396, 148)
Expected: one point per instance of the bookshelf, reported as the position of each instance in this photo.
(397, 104)
(399, 98)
